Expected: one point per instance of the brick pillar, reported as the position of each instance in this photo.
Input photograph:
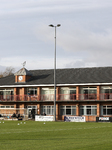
(15, 94)
(98, 110)
(15, 91)
(98, 92)
(57, 93)
(16, 79)
(57, 111)
(77, 109)
(15, 106)
(38, 94)
(20, 109)
(77, 93)
(22, 93)
(24, 78)
(38, 109)
(14, 111)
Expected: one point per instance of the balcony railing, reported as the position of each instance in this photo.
(66, 97)
(59, 97)
(106, 96)
(87, 96)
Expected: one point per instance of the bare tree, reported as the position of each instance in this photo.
(1, 74)
(8, 71)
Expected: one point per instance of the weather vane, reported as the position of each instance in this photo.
(24, 64)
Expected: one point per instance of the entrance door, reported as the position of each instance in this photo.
(32, 110)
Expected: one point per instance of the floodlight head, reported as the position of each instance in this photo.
(51, 25)
(58, 25)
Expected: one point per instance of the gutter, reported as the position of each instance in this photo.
(50, 85)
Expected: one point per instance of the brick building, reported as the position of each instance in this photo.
(79, 92)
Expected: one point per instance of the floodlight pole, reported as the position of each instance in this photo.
(58, 25)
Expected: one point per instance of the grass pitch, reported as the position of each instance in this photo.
(31, 135)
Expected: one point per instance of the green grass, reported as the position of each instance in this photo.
(55, 136)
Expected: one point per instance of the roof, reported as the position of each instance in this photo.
(23, 71)
(70, 76)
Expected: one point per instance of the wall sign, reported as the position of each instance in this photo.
(103, 119)
(44, 118)
(74, 119)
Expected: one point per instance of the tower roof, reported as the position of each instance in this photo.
(23, 71)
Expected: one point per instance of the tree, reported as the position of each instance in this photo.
(1, 74)
(8, 71)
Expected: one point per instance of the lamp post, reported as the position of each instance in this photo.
(58, 25)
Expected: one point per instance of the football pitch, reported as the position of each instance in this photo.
(32, 135)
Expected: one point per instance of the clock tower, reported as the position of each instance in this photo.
(23, 75)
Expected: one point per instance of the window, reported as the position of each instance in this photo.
(7, 93)
(32, 91)
(7, 106)
(67, 110)
(31, 107)
(67, 93)
(48, 110)
(12, 106)
(47, 94)
(2, 106)
(106, 92)
(88, 110)
(106, 110)
(88, 93)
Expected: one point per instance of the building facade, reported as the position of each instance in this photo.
(79, 92)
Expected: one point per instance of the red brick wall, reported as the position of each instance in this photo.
(25, 78)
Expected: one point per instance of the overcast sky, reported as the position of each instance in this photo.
(83, 40)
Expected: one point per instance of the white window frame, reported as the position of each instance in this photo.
(88, 110)
(65, 92)
(32, 90)
(47, 94)
(6, 93)
(104, 94)
(6, 106)
(65, 108)
(105, 109)
(47, 109)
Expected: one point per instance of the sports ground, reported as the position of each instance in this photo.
(32, 135)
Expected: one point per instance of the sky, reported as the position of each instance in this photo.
(84, 38)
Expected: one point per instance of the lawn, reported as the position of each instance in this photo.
(31, 135)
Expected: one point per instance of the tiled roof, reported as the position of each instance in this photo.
(23, 71)
(65, 76)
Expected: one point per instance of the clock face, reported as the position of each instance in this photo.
(20, 78)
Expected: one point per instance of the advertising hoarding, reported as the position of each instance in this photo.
(44, 118)
(74, 119)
